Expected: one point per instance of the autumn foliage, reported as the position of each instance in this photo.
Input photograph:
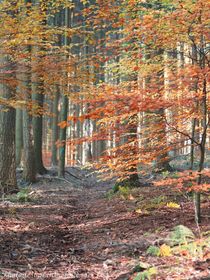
(154, 85)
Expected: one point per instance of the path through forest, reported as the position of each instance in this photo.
(74, 231)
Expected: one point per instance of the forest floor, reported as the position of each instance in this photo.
(82, 230)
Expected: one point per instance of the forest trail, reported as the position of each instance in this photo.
(74, 231)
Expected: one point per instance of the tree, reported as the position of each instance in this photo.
(8, 182)
(19, 136)
(154, 28)
(55, 126)
(64, 107)
(38, 91)
(21, 31)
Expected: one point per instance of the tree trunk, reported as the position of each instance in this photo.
(162, 160)
(55, 127)
(8, 182)
(62, 137)
(204, 123)
(19, 136)
(38, 99)
(202, 146)
(29, 167)
(66, 20)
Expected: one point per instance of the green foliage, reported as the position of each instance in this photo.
(141, 266)
(193, 248)
(154, 203)
(115, 188)
(196, 248)
(147, 274)
(174, 175)
(165, 174)
(22, 196)
(180, 235)
(110, 194)
(159, 199)
(162, 251)
(123, 191)
(153, 251)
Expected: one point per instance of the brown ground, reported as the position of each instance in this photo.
(70, 232)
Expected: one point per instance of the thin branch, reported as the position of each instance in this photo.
(182, 133)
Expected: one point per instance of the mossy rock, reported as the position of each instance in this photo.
(180, 235)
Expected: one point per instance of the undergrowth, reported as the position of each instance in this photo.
(23, 196)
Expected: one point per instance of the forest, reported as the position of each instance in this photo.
(104, 139)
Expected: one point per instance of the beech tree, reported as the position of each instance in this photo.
(28, 44)
(150, 30)
(7, 127)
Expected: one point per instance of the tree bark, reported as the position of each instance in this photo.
(38, 99)
(29, 167)
(19, 136)
(8, 182)
(64, 103)
(62, 137)
(55, 127)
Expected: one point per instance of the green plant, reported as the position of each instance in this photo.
(147, 274)
(24, 195)
(174, 175)
(195, 249)
(153, 251)
(180, 235)
(110, 194)
(154, 203)
(165, 174)
(124, 191)
(159, 199)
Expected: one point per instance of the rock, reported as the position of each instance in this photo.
(180, 235)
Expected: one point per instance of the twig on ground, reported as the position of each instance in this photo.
(72, 175)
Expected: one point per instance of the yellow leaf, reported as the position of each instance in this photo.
(165, 251)
(139, 211)
(172, 205)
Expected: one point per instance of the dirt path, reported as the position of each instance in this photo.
(70, 232)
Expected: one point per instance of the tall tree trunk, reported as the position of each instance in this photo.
(62, 137)
(133, 180)
(19, 136)
(38, 99)
(197, 195)
(204, 124)
(29, 167)
(162, 160)
(8, 182)
(64, 103)
(55, 127)
(38, 93)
